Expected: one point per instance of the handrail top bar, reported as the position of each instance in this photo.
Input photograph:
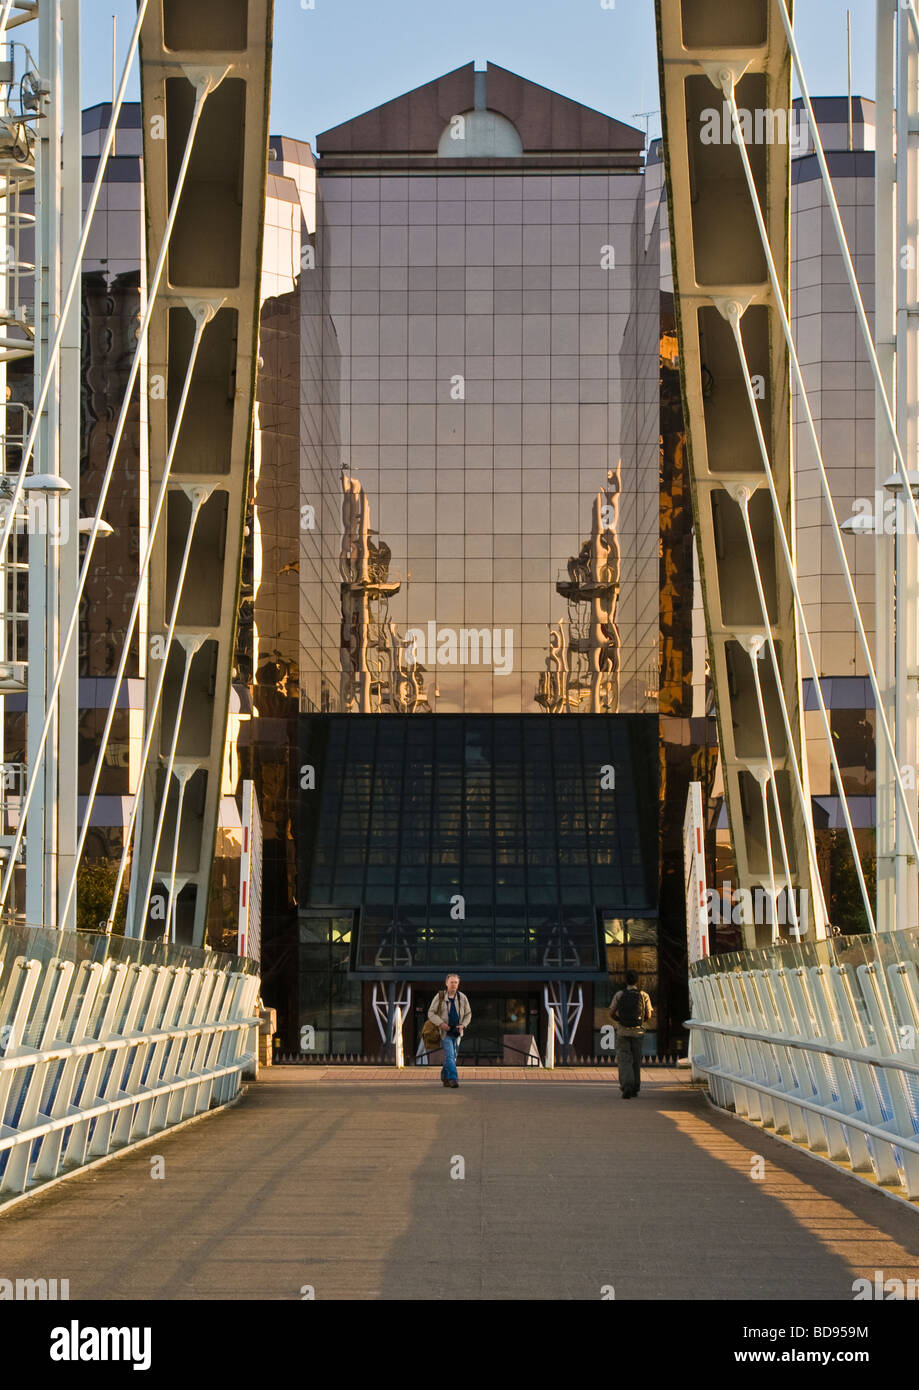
(808, 1045)
(841, 1117)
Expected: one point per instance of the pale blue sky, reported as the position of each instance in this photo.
(347, 56)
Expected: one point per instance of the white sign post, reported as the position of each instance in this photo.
(694, 874)
(249, 937)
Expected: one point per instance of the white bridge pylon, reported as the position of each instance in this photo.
(730, 228)
(204, 113)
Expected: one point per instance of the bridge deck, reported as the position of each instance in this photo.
(343, 1182)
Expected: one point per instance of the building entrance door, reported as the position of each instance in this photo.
(494, 1015)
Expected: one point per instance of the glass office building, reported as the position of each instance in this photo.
(478, 565)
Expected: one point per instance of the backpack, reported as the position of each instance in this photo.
(629, 1008)
(430, 1033)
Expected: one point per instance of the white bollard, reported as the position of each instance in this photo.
(550, 1043)
(397, 1037)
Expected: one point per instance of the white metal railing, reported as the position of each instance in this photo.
(104, 1042)
(819, 1042)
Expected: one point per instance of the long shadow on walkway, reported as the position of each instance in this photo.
(353, 1190)
(569, 1192)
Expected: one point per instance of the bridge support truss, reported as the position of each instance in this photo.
(205, 81)
(719, 64)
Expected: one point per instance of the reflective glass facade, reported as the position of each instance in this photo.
(481, 425)
(479, 541)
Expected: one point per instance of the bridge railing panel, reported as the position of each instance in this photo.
(818, 1042)
(104, 1042)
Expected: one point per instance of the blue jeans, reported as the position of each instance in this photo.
(448, 1070)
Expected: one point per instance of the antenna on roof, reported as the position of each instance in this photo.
(646, 117)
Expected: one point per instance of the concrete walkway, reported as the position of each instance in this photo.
(348, 1184)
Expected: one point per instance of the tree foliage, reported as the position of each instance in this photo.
(95, 887)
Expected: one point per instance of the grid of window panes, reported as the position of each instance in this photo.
(330, 998)
(486, 351)
(320, 490)
(631, 944)
(481, 841)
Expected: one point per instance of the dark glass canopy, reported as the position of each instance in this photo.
(494, 844)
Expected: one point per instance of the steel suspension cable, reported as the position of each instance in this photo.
(4, 17)
(190, 652)
(182, 775)
(204, 86)
(754, 655)
(727, 83)
(806, 810)
(734, 320)
(203, 317)
(847, 260)
(154, 707)
(51, 366)
(913, 17)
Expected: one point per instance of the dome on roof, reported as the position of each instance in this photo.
(478, 134)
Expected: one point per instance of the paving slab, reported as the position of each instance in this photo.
(364, 1185)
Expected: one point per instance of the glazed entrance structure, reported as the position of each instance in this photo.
(520, 851)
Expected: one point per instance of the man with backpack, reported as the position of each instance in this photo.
(630, 1011)
(450, 1014)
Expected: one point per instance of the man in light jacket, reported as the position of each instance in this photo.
(450, 1012)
